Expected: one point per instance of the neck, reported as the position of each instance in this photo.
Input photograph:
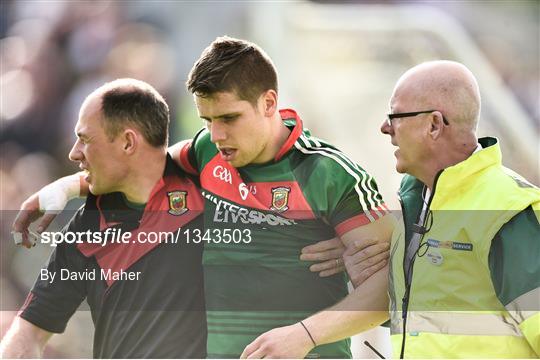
(144, 175)
(279, 134)
(443, 160)
(428, 179)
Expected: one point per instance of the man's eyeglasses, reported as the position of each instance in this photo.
(390, 117)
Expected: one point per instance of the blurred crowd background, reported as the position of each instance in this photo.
(337, 61)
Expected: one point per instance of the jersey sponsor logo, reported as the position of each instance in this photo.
(227, 212)
(177, 202)
(280, 199)
(222, 174)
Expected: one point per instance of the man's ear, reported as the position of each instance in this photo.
(436, 125)
(130, 140)
(269, 102)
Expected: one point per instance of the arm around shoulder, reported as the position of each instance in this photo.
(176, 149)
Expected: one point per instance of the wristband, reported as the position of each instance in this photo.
(54, 197)
(311, 337)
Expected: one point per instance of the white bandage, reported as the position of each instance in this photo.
(32, 237)
(17, 237)
(54, 197)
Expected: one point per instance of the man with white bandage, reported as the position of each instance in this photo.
(122, 147)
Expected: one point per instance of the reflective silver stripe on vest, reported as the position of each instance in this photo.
(525, 306)
(455, 323)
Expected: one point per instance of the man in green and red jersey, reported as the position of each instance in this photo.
(262, 171)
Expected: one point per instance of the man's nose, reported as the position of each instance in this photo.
(75, 153)
(217, 132)
(386, 128)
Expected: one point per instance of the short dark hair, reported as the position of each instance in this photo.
(130, 101)
(229, 64)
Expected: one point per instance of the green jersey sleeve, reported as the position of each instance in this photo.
(343, 193)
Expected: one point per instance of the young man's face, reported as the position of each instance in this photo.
(101, 158)
(239, 129)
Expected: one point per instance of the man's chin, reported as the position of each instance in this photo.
(237, 163)
(400, 168)
(95, 190)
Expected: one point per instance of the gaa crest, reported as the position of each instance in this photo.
(280, 199)
(177, 202)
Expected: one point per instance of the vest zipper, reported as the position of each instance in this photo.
(419, 229)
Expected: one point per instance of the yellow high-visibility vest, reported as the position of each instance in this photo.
(453, 310)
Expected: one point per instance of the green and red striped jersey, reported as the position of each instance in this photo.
(255, 282)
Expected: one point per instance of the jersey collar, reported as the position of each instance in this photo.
(288, 114)
(455, 177)
(113, 209)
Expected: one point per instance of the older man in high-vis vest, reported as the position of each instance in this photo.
(465, 264)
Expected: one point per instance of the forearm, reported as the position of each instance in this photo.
(55, 195)
(45, 204)
(363, 309)
(23, 340)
